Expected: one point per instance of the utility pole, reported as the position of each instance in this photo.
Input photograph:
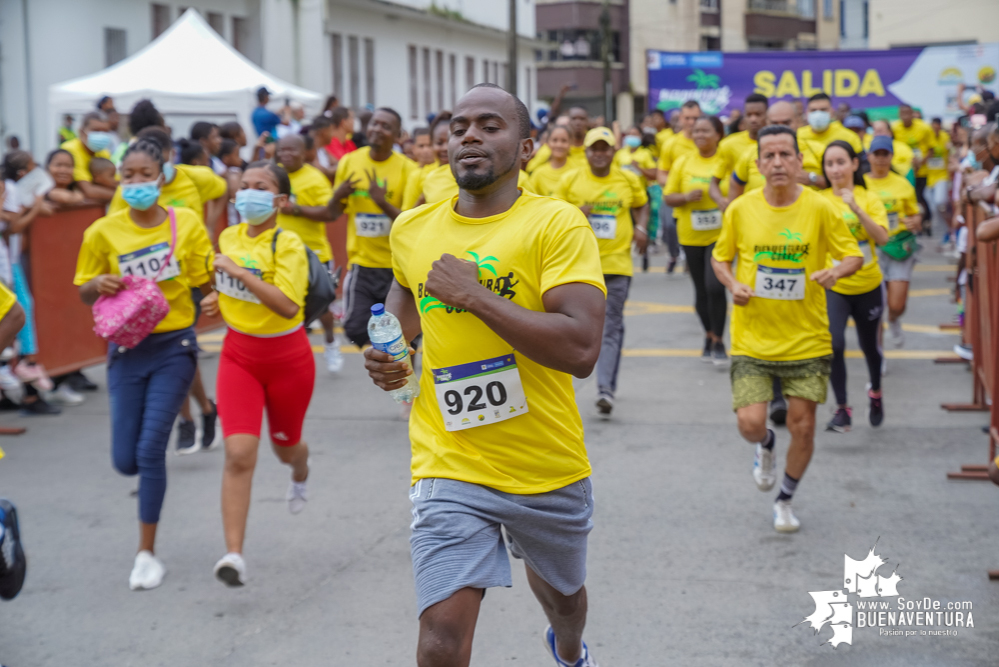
(511, 56)
(605, 56)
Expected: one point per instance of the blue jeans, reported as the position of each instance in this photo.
(147, 385)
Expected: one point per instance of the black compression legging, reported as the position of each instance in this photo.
(709, 294)
(866, 310)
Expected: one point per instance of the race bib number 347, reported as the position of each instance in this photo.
(781, 284)
(147, 262)
(479, 393)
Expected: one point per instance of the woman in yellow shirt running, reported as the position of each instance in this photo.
(261, 277)
(545, 179)
(147, 383)
(698, 225)
(861, 295)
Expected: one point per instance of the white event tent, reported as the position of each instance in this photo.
(189, 72)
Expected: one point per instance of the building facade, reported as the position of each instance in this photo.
(899, 23)
(416, 56)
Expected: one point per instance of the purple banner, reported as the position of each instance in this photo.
(924, 77)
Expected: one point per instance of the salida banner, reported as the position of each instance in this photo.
(926, 78)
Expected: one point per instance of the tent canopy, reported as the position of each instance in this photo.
(188, 70)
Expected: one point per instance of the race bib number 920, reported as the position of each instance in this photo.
(479, 393)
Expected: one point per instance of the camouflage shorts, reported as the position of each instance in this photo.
(752, 379)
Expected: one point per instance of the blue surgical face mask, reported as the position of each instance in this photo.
(819, 120)
(141, 195)
(169, 171)
(98, 141)
(255, 207)
(631, 141)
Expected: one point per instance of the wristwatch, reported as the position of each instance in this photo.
(813, 178)
(297, 210)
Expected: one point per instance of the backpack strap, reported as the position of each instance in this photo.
(274, 241)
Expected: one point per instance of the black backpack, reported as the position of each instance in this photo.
(322, 284)
(13, 564)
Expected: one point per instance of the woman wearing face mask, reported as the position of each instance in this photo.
(544, 180)
(698, 225)
(148, 382)
(262, 276)
(859, 296)
(897, 257)
(636, 158)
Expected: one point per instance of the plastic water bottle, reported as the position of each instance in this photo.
(385, 333)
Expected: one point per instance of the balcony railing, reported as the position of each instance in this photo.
(801, 8)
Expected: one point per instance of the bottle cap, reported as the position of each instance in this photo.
(378, 309)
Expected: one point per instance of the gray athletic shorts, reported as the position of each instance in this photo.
(457, 542)
(892, 269)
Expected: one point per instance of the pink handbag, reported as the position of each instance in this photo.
(129, 316)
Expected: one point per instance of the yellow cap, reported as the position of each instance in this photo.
(599, 134)
(975, 99)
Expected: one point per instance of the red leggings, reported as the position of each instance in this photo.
(278, 373)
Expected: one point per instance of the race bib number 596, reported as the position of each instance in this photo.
(479, 393)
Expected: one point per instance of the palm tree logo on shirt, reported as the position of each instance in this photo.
(791, 236)
(247, 262)
(382, 183)
(484, 263)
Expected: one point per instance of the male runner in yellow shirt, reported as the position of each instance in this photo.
(781, 235)
(507, 290)
(93, 141)
(734, 146)
(369, 188)
(676, 146)
(917, 135)
(813, 138)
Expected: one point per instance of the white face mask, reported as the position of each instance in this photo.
(819, 120)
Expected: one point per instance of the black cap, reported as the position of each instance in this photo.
(262, 90)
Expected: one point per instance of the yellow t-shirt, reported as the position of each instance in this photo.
(181, 192)
(730, 151)
(576, 158)
(545, 179)
(539, 244)
(631, 160)
(793, 240)
(611, 197)
(309, 187)
(937, 159)
(678, 146)
(115, 240)
(286, 267)
(898, 197)
(919, 137)
(697, 223)
(367, 226)
(81, 158)
(813, 144)
(414, 186)
(7, 300)
(209, 184)
(747, 172)
(869, 276)
(662, 136)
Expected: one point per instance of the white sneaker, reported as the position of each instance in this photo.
(784, 519)
(11, 384)
(147, 572)
(296, 497)
(66, 395)
(231, 569)
(897, 335)
(334, 358)
(764, 468)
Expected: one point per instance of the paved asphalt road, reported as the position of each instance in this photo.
(684, 567)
